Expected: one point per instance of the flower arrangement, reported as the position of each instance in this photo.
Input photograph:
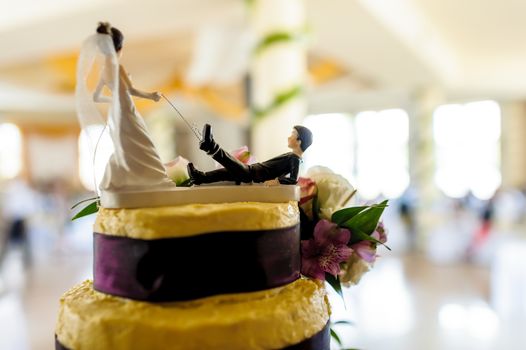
(338, 242)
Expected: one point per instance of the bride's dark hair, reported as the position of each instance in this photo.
(116, 35)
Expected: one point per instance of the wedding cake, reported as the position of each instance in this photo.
(200, 268)
(196, 276)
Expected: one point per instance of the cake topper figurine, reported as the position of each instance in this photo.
(271, 171)
(135, 163)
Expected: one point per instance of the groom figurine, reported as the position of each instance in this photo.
(276, 168)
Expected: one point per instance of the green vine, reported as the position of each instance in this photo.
(280, 99)
(275, 38)
(250, 3)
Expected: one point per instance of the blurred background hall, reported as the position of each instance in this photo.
(422, 102)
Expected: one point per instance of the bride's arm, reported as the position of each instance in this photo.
(155, 96)
(97, 95)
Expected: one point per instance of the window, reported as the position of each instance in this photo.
(10, 151)
(370, 150)
(333, 144)
(382, 153)
(93, 140)
(467, 139)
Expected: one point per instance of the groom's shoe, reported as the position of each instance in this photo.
(197, 177)
(208, 144)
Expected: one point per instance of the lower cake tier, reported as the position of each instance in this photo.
(293, 317)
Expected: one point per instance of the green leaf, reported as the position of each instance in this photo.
(335, 283)
(83, 201)
(91, 208)
(274, 38)
(345, 322)
(341, 216)
(185, 183)
(358, 235)
(367, 220)
(336, 337)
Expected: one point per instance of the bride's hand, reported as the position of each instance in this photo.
(156, 96)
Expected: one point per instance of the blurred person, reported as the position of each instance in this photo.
(55, 207)
(485, 224)
(407, 212)
(450, 238)
(17, 208)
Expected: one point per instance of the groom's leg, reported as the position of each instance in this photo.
(239, 171)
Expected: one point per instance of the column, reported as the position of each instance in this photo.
(278, 73)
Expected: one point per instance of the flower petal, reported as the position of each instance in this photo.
(176, 170)
(243, 155)
(342, 236)
(334, 191)
(309, 248)
(353, 269)
(307, 189)
(381, 232)
(311, 268)
(365, 250)
(323, 232)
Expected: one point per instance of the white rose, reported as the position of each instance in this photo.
(334, 191)
(352, 271)
(177, 171)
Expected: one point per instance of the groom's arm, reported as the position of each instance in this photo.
(292, 179)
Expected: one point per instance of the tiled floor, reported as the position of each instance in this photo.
(406, 302)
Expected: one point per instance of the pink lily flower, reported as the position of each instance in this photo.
(365, 250)
(380, 233)
(325, 251)
(243, 155)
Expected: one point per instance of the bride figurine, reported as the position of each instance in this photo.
(135, 164)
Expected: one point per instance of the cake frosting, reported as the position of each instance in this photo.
(271, 319)
(145, 254)
(195, 219)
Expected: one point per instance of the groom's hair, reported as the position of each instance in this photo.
(304, 135)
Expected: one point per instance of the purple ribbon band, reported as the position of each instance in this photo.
(186, 268)
(320, 341)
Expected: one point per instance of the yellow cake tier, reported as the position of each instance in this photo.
(195, 219)
(271, 319)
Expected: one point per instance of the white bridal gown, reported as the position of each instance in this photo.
(135, 163)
